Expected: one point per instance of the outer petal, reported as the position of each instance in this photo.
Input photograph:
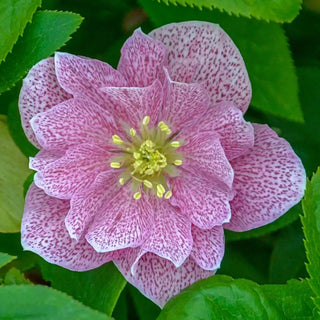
(202, 52)
(183, 102)
(40, 92)
(121, 223)
(204, 156)
(43, 158)
(236, 135)
(84, 76)
(131, 105)
(208, 247)
(142, 60)
(158, 279)
(73, 122)
(269, 180)
(85, 205)
(171, 236)
(74, 172)
(202, 203)
(43, 231)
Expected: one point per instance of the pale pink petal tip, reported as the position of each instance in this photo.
(40, 92)
(157, 278)
(269, 180)
(142, 60)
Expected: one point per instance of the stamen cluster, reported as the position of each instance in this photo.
(147, 158)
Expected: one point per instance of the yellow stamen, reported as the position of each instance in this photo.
(116, 139)
(145, 120)
(115, 165)
(168, 131)
(149, 172)
(168, 194)
(137, 155)
(163, 126)
(175, 144)
(177, 162)
(121, 181)
(137, 195)
(147, 183)
(160, 189)
(132, 132)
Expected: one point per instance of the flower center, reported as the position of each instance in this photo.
(147, 158)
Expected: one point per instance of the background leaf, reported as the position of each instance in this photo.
(42, 303)
(311, 228)
(5, 259)
(294, 299)
(284, 11)
(14, 15)
(221, 297)
(48, 31)
(265, 51)
(98, 288)
(13, 172)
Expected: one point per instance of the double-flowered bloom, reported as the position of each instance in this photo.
(145, 165)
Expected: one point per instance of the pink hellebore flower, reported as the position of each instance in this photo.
(145, 165)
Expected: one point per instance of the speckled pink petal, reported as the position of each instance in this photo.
(72, 122)
(158, 279)
(183, 103)
(43, 232)
(269, 180)
(122, 222)
(74, 172)
(43, 158)
(40, 92)
(82, 77)
(201, 202)
(171, 236)
(85, 205)
(204, 156)
(208, 247)
(131, 105)
(236, 135)
(202, 52)
(142, 60)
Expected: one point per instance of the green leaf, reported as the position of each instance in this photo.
(15, 276)
(48, 31)
(311, 228)
(221, 297)
(99, 288)
(283, 221)
(284, 11)
(288, 256)
(14, 15)
(265, 51)
(5, 259)
(13, 172)
(22, 302)
(294, 299)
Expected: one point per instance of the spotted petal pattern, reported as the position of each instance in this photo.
(269, 180)
(142, 60)
(201, 52)
(158, 278)
(40, 92)
(43, 231)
